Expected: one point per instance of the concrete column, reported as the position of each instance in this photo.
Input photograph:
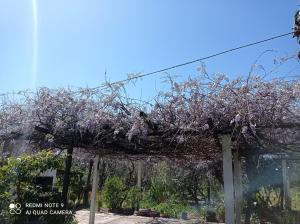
(238, 191)
(286, 186)
(228, 179)
(94, 190)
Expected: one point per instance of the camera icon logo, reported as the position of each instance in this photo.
(15, 208)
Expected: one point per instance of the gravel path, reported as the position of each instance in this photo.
(82, 217)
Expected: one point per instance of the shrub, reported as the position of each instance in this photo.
(170, 208)
(220, 213)
(203, 211)
(114, 193)
(159, 192)
(99, 200)
(133, 198)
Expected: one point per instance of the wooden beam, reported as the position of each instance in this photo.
(228, 179)
(94, 190)
(238, 191)
(286, 186)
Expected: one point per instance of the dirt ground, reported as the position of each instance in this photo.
(82, 217)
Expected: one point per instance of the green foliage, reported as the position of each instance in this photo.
(159, 192)
(202, 211)
(114, 193)
(286, 218)
(18, 174)
(99, 200)
(162, 187)
(117, 196)
(171, 208)
(133, 197)
(277, 216)
(162, 195)
(220, 212)
(295, 196)
(17, 184)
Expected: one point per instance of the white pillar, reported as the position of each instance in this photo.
(94, 191)
(238, 191)
(228, 179)
(139, 175)
(286, 185)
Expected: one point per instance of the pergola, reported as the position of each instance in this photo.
(214, 144)
(225, 149)
(192, 121)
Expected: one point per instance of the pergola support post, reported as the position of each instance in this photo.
(228, 179)
(286, 185)
(238, 191)
(94, 190)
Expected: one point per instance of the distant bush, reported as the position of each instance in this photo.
(114, 193)
(133, 199)
(162, 195)
(171, 208)
(195, 212)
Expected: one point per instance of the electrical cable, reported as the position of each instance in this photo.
(104, 86)
(197, 60)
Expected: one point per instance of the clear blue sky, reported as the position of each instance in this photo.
(78, 40)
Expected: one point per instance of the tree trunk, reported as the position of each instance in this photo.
(87, 187)
(66, 180)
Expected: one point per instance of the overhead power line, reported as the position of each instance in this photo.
(196, 60)
(104, 86)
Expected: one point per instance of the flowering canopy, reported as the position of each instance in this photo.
(184, 120)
